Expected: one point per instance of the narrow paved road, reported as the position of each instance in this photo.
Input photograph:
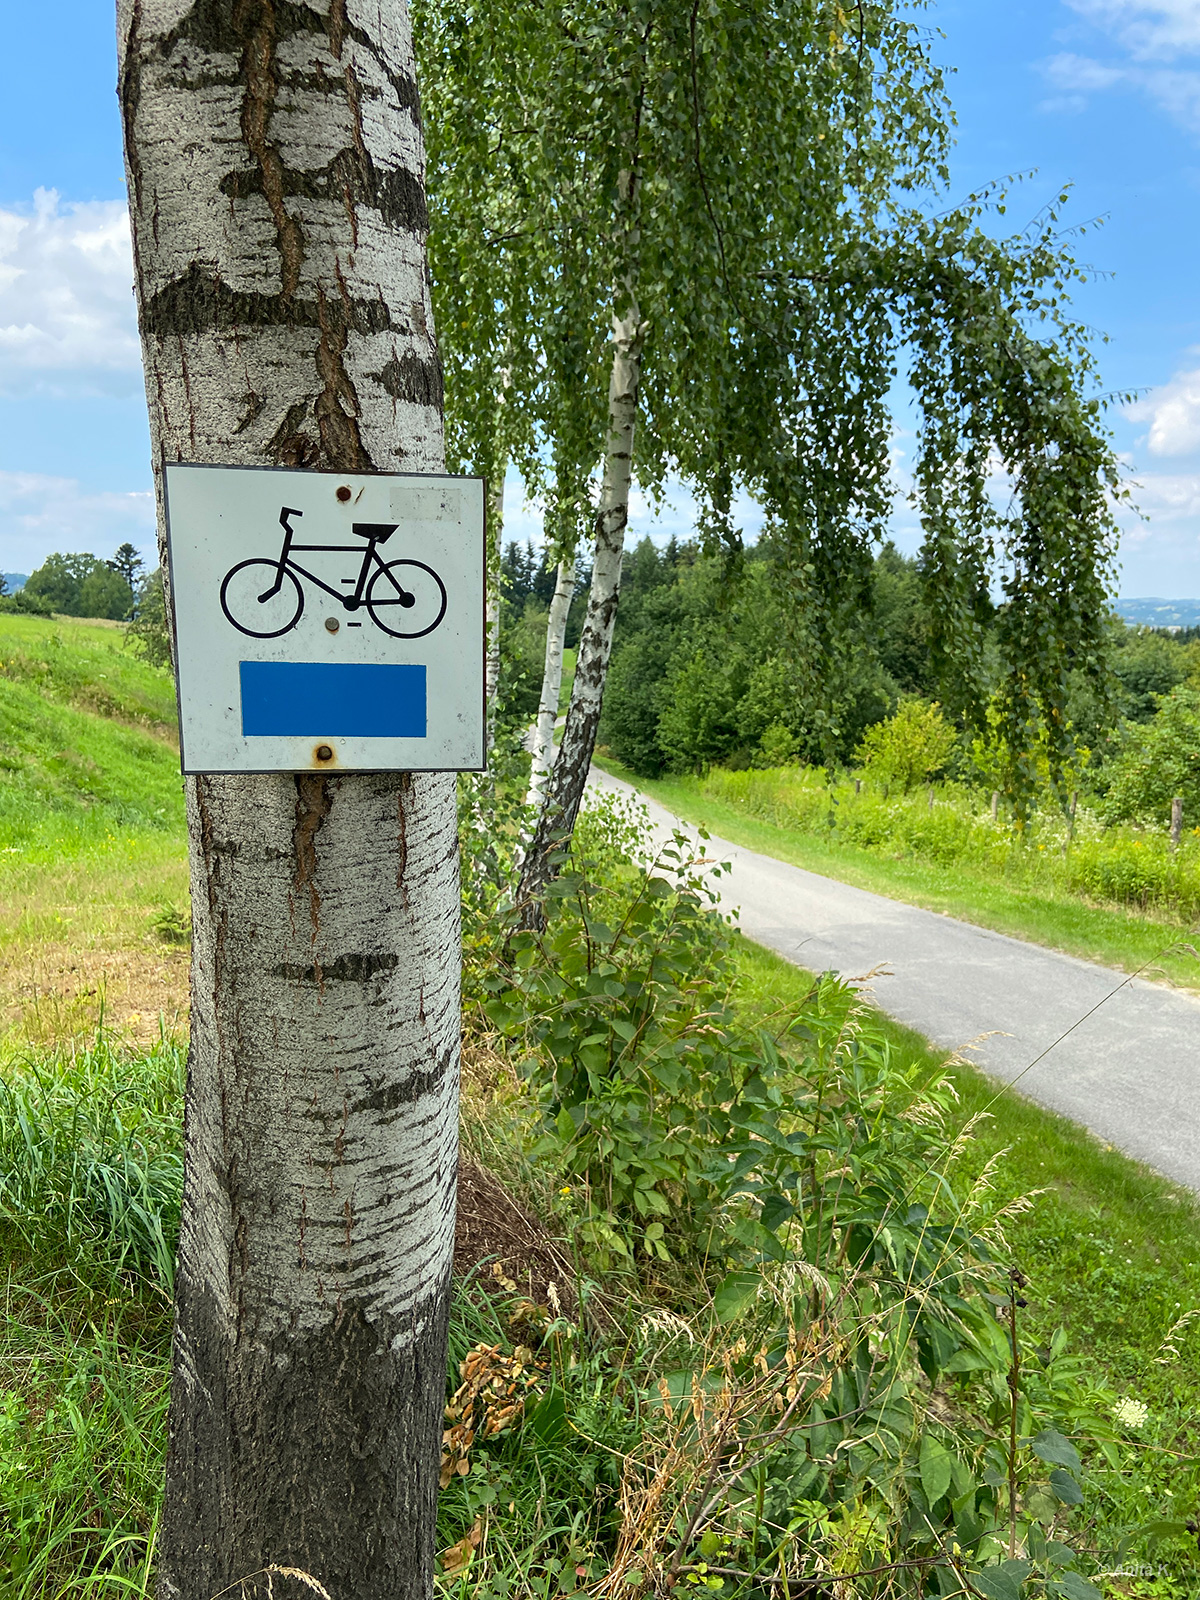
(1122, 1057)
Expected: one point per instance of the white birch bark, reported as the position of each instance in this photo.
(552, 670)
(275, 170)
(495, 537)
(564, 791)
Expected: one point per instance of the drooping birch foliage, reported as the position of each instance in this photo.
(716, 218)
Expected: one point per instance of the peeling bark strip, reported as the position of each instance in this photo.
(276, 191)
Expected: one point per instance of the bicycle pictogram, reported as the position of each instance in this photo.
(404, 598)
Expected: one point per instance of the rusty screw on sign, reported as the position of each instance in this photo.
(343, 494)
(323, 753)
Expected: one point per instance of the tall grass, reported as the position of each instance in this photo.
(91, 1165)
(951, 825)
(90, 1182)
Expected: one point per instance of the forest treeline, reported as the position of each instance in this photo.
(708, 670)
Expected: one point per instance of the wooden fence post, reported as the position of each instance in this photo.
(995, 804)
(1176, 821)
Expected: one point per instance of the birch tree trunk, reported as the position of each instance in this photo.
(275, 170)
(495, 523)
(543, 728)
(564, 791)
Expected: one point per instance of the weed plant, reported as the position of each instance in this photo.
(90, 1182)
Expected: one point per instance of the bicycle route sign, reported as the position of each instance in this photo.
(326, 621)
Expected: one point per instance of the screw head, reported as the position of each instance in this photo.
(332, 624)
(343, 494)
(323, 753)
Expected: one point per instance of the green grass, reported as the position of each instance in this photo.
(1113, 936)
(92, 837)
(86, 742)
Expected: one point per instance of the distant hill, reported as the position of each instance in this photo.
(1152, 613)
(15, 580)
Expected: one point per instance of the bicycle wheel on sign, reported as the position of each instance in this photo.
(406, 599)
(257, 603)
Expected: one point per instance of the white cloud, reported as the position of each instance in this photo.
(1081, 74)
(39, 514)
(67, 321)
(1151, 30)
(1167, 497)
(1176, 91)
(1173, 412)
(1156, 36)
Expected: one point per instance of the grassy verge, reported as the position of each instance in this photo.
(1112, 936)
(1113, 1249)
(92, 855)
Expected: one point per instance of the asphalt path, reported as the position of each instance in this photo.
(1121, 1056)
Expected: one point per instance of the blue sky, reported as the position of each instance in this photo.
(1101, 94)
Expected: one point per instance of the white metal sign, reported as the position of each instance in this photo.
(327, 622)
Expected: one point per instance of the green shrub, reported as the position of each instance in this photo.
(147, 634)
(913, 745)
(1132, 867)
(1160, 760)
(815, 1187)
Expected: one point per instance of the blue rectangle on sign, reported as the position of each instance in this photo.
(314, 698)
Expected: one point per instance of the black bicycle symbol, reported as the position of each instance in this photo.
(385, 589)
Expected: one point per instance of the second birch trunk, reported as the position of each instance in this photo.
(552, 670)
(564, 791)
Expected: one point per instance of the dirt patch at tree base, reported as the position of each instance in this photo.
(505, 1247)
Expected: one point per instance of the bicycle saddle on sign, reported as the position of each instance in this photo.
(379, 531)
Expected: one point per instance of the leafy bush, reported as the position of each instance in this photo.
(1127, 866)
(911, 746)
(147, 635)
(1160, 760)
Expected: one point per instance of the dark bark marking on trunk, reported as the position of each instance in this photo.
(187, 395)
(337, 408)
(220, 26)
(412, 378)
(197, 301)
(314, 801)
(129, 94)
(255, 406)
(395, 193)
(402, 795)
(356, 967)
(258, 104)
(211, 854)
(288, 445)
(336, 27)
(405, 1091)
(374, 1400)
